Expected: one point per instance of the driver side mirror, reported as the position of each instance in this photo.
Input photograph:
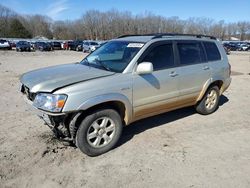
(144, 68)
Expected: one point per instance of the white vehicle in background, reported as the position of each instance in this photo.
(4, 44)
(90, 46)
(243, 47)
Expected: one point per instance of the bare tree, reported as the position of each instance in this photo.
(99, 25)
(243, 28)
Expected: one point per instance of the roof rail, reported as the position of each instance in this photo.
(122, 36)
(161, 35)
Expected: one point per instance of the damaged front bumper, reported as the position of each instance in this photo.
(57, 122)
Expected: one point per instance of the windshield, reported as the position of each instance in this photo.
(113, 56)
(23, 43)
(93, 43)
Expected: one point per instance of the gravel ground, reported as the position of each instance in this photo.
(175, 149)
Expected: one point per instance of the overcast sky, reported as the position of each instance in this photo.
(228, 10)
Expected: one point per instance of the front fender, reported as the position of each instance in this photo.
(108, 98)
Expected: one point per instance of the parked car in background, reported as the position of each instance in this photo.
(23, 46)
(227, 50)
(12, 44)
(90, 46)
(243, 47)
(42, 46)
(56, 45)
(65, 45)
(4, 44)
(32, 46)
(51, 46)
(233, 46)
(75, 45)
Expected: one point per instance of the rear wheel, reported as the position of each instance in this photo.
(209, 102)
(99, 132)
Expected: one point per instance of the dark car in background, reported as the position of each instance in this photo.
(51, 46)
(43, 46)
(4, 44)
(227, 48)
(23, 46)
(233, 46)
(56, 45)
(75, 45)
(12, 44)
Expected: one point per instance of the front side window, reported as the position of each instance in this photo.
(212, 51)
(113, 56)
(161, 57)
(190, 53)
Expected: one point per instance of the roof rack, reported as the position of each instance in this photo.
(122, 36)
(161, 35)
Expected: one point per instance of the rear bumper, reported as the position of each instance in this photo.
(225, 85)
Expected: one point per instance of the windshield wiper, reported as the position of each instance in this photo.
(103, 65)
(87, 61)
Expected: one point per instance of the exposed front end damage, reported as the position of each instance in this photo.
(64, 126)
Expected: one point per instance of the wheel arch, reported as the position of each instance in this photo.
(118, 102)
(211, 82)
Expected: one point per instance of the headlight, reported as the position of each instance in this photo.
(50, 102)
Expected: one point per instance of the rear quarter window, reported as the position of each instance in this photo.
(212, 51)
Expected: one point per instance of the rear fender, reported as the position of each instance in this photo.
(207, 85)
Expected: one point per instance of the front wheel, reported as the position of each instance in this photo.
(209, 102)
(99, 132)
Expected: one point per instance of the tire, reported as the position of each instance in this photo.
(97, 128)
(209, 102)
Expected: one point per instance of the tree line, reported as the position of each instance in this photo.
(99, 25)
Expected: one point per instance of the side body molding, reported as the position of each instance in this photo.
(109, 98)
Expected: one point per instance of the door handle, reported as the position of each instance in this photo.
(173, 74)
(206, 68)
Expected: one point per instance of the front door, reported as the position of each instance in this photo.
(154, 93)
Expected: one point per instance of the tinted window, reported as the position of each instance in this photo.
(212, 51)
(190, 53)
(93, 43)
(161, 57)
(3, 41)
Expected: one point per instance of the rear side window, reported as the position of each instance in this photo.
(190, 53)
(212, 51)
(161, 57)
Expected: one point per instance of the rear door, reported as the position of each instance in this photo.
(194, 70)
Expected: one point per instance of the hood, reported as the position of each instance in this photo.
(51, 78)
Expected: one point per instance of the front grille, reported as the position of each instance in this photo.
(25, 90)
